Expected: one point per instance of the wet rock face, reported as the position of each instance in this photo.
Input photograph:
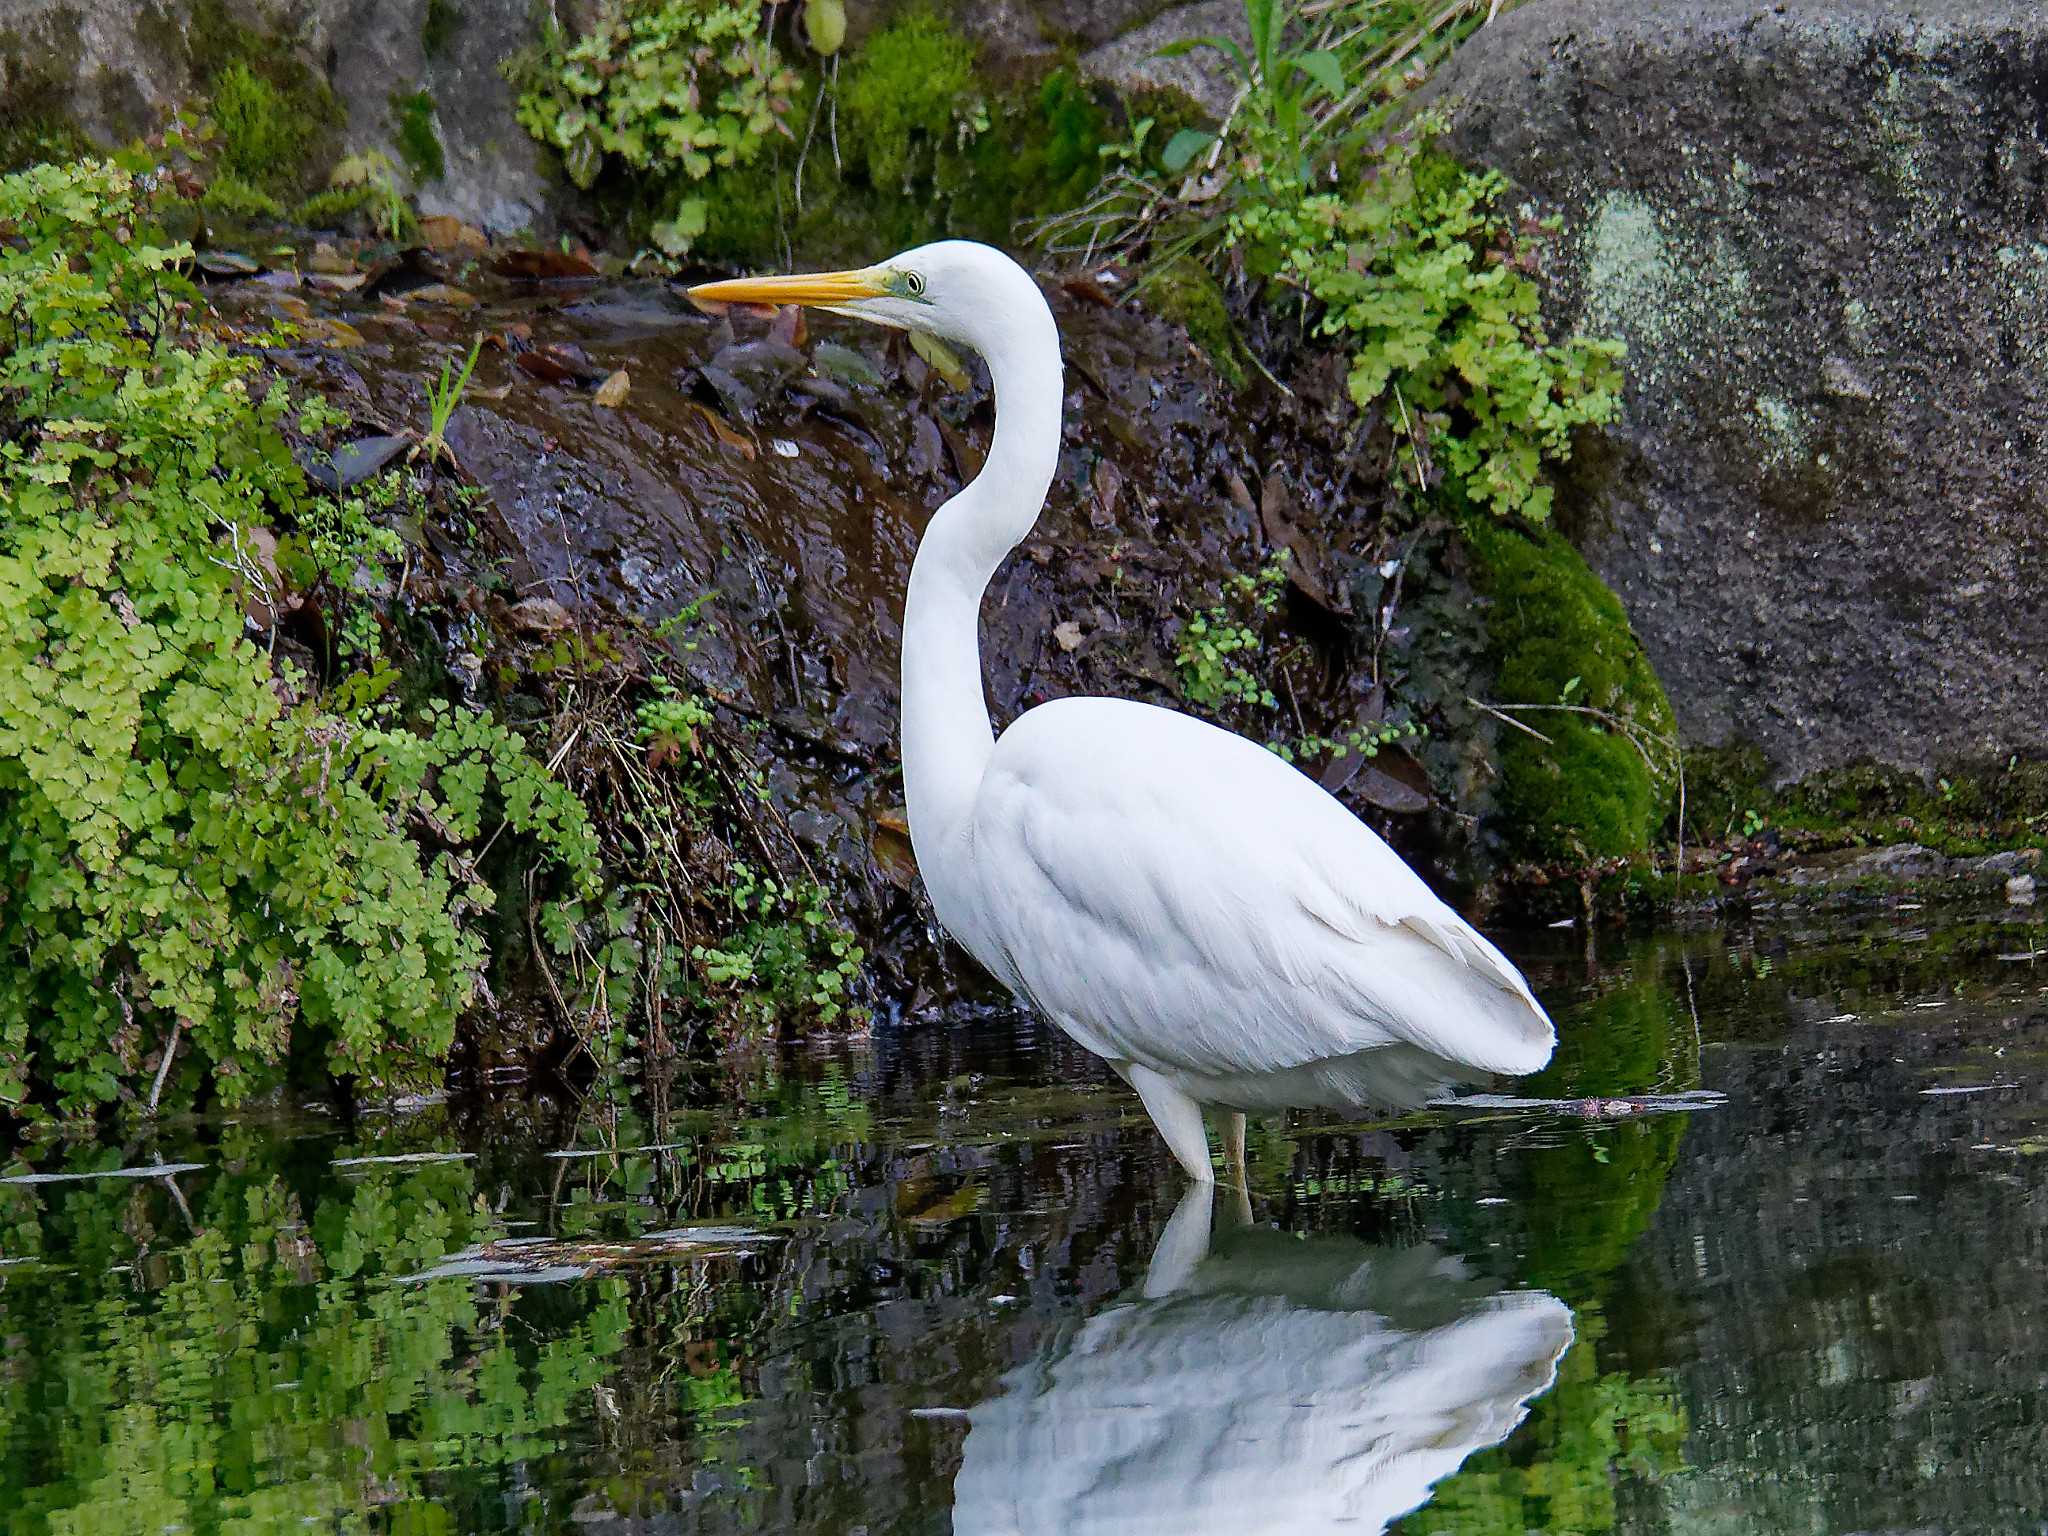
(1819, 228)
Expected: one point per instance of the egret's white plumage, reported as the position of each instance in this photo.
(1274, 1385)
(1176, 898)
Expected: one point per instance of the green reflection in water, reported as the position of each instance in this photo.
(246, 1362)
(1583, 1198)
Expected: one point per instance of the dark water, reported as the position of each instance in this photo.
(945, 1280)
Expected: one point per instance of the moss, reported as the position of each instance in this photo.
(418, 144)
(437, 31)
(1555, 635)
(1966, 808)
(35, 118)
(335, 207)
(1187, 294)
(967, 162)
(277, 120)
(234, 198)
(900, 99)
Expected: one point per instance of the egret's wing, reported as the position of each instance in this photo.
(1181, 897)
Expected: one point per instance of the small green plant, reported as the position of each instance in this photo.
(417, 140)
(262, 140)
(1424, 275)
(199, 850)
(343, 549)
(675, 87)
(1218, 645)
(787, 954)
(670, 720)
(370, 180)
(233, 197)
(442, 399)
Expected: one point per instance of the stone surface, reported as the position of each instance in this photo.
(117, 67)
(1819, 227)
(1132, 61)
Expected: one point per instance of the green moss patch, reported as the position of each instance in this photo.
(1186, 294)
(418, 143)
(277, 120)
(35, 119)
(1560, 645)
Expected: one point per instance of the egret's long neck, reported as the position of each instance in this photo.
(947, 738)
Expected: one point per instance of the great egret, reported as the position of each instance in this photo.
(1274, 1384)
(1175, 897)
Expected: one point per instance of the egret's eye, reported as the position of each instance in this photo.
(913, 284)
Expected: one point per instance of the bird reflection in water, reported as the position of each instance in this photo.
(1262, 1383)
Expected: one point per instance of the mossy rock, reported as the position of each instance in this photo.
(35, 121)
(1555, 635)
(278, 121)
(1187, 294)
(915, 143)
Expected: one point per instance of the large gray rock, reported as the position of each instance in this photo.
(1819, 227)
(115, 68)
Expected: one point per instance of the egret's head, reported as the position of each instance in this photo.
(955, 290)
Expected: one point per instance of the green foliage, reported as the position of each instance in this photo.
(788, 955)
(341, 551)
(262, 141)
(1592, 1432)
(1218, 645)
(233, 197)
(335, 206)
(443, 398)
(1422, 273)
(194, 847)
(910, 91)
(418, 144)
(676, 88)
(272, 1373)
(1568, 666)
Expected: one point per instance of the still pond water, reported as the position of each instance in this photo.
(946, 1280)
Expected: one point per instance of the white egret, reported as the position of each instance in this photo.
(1270, 1385)
(1176, 898)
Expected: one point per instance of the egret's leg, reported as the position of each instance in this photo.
(1179, 1119)
(1233, 1149)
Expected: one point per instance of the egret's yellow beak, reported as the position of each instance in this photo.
(824, 290)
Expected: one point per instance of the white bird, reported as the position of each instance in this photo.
(1276, 1385)
(1176, 898)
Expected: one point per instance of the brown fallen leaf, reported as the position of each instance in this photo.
(1085, 285)
(611, 394)
(540, 616)
(329, 261)
(540, 265)
(941, 360)
(553, 364)
(738, 442)
(721, 307)
(442, 293)
(518, 330)
(1108, 483)
(1234, 483)
(338, 334)
(1305, 564)
(445, 232)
